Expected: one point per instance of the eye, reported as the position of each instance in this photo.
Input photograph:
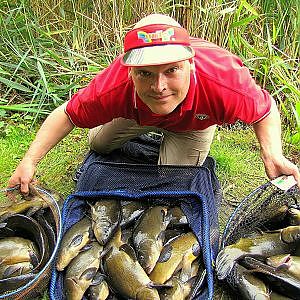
(143, 73)
(172, 70)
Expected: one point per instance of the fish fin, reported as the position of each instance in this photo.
(98, 278)
(3, 225)
(129, 251)
(33, 258)
(197, 283)
(32, 210)
(226, 260)
(161, 236)
(11, 271)
(159, 286)
(106, 251)
(91, 233)
(165, 254)
(283, 266)
(88, 274)
(86, 247)
(196, 249)
(186, 270)
(76, 241)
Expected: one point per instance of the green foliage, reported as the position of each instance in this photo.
(57, 168)
(49, 49)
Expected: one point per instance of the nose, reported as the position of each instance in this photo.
(159, 83)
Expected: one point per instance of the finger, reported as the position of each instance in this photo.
(24, 188)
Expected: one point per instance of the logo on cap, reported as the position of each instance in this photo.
(163, 35)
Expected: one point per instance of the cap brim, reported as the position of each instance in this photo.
(157, 55)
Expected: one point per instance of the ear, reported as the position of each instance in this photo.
(192, 64)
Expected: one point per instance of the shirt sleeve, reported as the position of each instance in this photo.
(103, 99)
(236, 95)
(81, 105)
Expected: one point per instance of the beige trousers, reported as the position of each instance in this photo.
(184, 148)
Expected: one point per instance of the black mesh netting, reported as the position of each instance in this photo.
(260, 210)
(38, 283)
(132, 173)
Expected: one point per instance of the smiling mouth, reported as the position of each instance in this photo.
(161, 97)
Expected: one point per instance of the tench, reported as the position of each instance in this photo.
(125, 274)
(81, 271)
(279, 280)
(249, 286)
(13, 283)
(130, 211)
(21, 207)
(179, 291)
(178, 218)
(293, 216)
(98, 289)
(12, 270)
(105, 219)
(286, 263)
(16, 249)
(265, 244)
(148, 236)
(28, 228)
(183, 249)
(73, 241)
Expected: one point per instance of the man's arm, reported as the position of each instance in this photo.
(53, 130)
(268, 132)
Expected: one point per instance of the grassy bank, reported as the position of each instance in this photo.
(238, 165)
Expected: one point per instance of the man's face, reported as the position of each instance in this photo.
(162, 88)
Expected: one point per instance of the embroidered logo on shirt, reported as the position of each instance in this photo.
(164, 35)
(201, 116)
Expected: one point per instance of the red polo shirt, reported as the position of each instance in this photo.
(221, 91)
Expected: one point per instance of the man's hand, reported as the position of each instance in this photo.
(55, 127)
(278, 166)
(268, 132)
(23, 175)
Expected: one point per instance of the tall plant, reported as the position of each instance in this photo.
(50, 48)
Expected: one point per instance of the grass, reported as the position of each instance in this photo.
(238, 166)
(56, 170)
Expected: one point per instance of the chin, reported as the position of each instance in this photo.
(162, 110)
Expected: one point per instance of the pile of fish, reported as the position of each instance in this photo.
(27, 240)
(129, 250)
(265, 264)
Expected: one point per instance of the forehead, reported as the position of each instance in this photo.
(161, 68)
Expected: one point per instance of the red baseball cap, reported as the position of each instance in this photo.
(160, 40)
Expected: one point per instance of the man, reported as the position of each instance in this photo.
(170, 82)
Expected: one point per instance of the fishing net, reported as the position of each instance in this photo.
(39, 283)
(261, 209)
(132, 173)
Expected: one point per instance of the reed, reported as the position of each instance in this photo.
(51, 48)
